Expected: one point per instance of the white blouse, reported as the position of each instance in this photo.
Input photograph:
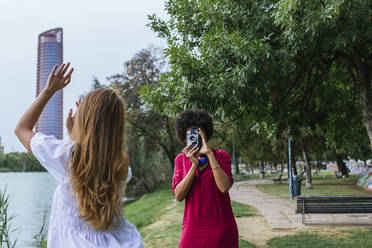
(66, 229)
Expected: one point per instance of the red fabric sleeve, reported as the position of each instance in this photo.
(225, 163)
(177, 173)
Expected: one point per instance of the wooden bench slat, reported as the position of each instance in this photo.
(329, 206)
(333, 204)
(334, 211)
(354, 198)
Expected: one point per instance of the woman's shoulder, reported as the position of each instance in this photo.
(220, 152)
(180, 157)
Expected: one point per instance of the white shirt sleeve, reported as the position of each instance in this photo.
(53, 154)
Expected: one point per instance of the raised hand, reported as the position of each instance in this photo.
(191, 154)
(58, 80)
(71, 117)
(204, 149)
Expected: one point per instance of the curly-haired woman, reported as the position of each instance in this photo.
(208, 220)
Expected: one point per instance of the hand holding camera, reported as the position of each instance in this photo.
(197, 147)
(191, 153)
(204, 149)
(196, 137)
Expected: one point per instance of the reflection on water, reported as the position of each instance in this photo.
(31, 197)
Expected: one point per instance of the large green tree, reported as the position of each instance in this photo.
(262, 57)
(271, 60)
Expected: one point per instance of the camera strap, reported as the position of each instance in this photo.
(203, 159)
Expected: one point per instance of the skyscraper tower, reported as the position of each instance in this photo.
(50, 53)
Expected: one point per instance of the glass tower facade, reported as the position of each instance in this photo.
(50, 53)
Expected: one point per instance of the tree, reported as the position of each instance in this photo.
(338, 31)
(271, 59)
(145, 69)
(150, 136)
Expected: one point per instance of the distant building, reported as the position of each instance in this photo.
(50, 53)
(1, 148)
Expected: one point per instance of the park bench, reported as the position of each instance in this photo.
(278, 180)
(333, 204)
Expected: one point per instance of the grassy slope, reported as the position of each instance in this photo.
(159, 218)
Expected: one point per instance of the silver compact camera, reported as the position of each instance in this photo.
(193, 138)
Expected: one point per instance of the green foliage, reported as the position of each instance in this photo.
(16, 161)
(150, 137)
(5, 222)
(39, 238)
(271, 66)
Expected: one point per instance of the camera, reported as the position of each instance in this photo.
(193, 138)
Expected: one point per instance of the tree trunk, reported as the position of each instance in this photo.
(365, 98)
(252, 168)
(309, 181)
(341, 165)
(171, 153)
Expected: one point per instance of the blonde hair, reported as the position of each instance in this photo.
(99, 166)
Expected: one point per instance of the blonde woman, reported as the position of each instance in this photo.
(91, 168)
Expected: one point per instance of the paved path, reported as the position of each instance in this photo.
(280, 213)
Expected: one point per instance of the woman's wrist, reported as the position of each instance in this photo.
(48, 92)
(194, 165)
(209, 153)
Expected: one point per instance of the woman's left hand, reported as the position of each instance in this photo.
(204, 149)
(71, 117)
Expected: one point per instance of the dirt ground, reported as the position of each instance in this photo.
(257, 231)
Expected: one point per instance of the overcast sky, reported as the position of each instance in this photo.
(99, 36)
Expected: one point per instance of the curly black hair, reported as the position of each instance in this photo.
(198, 118)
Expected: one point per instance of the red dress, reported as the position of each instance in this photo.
(208, 220)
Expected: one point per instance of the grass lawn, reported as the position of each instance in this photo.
(341, 239)
(323, 184)
(159, 218)
(241, 177)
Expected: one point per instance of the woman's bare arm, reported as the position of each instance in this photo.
(222, 180)
(183, 188)
(56, 81)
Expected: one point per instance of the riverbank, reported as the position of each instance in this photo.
(5, 170)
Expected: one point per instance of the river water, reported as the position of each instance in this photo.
(31, 198)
